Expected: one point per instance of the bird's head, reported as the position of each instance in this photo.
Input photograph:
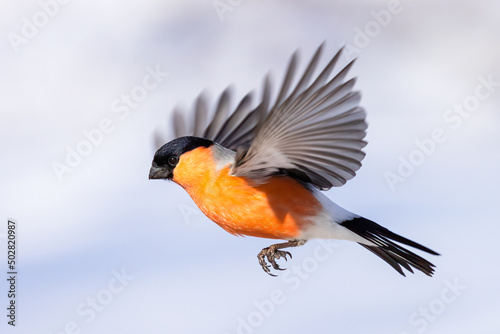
(167, 158)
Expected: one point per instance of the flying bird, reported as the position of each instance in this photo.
(260, 171)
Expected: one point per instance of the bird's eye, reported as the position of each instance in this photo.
(173, 160)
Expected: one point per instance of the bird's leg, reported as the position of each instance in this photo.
(273, 253)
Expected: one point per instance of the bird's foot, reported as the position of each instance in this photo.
(272, 253)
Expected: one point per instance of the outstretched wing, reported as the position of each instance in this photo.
(231, 130)
(314, 133)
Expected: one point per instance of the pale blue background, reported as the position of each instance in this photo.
(190, 276)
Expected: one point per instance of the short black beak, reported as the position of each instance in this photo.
(157, 173)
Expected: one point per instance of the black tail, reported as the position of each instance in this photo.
(387, 250)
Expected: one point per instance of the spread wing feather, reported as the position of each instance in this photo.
(229, 130)
(314, 133)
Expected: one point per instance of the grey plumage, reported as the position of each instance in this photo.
(314, 132)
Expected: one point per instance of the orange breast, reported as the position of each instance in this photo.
(278, 209)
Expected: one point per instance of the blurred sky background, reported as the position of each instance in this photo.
(183, 273)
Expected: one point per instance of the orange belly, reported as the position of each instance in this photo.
(278, 209)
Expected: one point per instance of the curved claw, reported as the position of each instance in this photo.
(272, 255)
(275, 265)
(268, 271)
(278, 255)
(263, 264)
